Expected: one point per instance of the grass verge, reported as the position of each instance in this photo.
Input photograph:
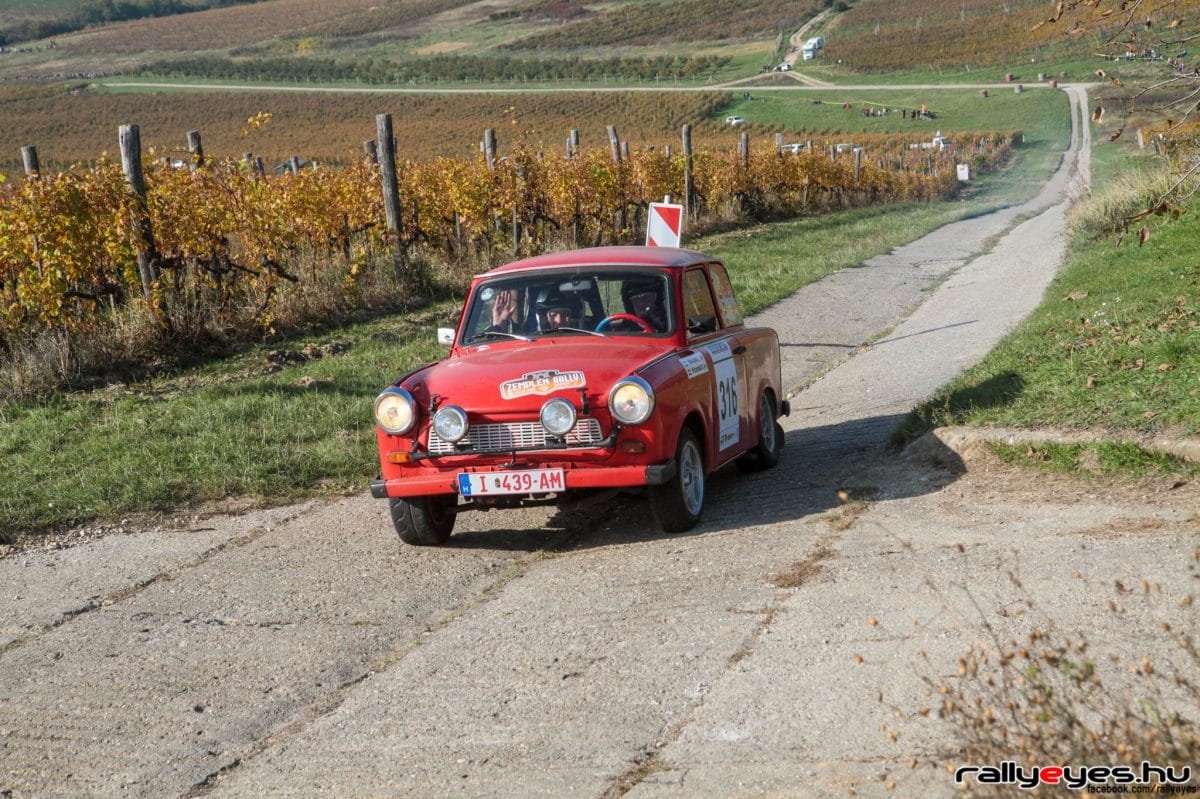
(1115, 345)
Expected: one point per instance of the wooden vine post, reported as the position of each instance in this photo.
(689, 184)
(489, 147)
(143, 233)
(390, 185)
(489, 153)
(29, 158)
(196, 149)
(516, 211)
(614, 143)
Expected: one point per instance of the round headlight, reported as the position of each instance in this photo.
(558, 417)
(395, 411)
(631, 400)
(450, 423)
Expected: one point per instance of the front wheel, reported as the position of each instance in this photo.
(678, 503)
(423, 521)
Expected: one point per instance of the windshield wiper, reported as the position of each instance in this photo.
(500, 334)
(573, 330)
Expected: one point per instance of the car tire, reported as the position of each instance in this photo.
(678, 503)
(423, 521)
(765, 453)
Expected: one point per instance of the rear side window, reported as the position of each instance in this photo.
(730, 311)
(698, 308)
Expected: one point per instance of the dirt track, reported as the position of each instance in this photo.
(303, 651)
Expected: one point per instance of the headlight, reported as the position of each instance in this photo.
(395, 411)
(631, 400)
(450, 423)
(558, 417)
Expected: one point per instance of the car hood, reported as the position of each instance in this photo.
(518, 377)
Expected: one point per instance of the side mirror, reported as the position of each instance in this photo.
(702, 324)
(446, 336)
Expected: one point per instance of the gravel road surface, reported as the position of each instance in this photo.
(774, 650)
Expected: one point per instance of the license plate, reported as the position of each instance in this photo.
(530, 481)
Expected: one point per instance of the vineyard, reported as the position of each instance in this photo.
(675, 21)
(228, 243)
(216, 28)
(438, 70)
(873, 37)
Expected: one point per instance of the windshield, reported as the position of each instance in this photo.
(604, 302)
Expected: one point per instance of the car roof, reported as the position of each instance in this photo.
(659, 257)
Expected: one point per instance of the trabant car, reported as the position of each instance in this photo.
(604, 369)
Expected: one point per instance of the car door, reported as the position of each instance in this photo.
(728, 419)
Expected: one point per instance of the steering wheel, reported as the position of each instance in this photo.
(624, 317)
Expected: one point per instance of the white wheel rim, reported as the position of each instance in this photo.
(767, 419)
(691, 478)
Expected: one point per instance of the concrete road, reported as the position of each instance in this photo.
(788, 646)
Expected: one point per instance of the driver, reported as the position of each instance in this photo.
(643, 298)
(558, 310)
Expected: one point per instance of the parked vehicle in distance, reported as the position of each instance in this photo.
(812, 47)
(846, 147)
(938, 142)
(598, 370)
(784, 67)
(794, 148)
(734, 120)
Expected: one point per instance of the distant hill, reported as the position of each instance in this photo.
(402, 40)
(902, 35)
(29, 21)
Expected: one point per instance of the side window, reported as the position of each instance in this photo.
(698, 308)
(730, 311)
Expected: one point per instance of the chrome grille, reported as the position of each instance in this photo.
(507, 436)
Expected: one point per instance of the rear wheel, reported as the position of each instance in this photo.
(765, 453)
(423, 521)
(678, 503)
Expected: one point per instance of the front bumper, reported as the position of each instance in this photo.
(577, 477)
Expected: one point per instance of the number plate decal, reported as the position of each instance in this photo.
(725, 372)
(530, 481)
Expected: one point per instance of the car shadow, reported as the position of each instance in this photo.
(821, 468)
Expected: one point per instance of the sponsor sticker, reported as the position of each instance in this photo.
(695, 364)
(541, 383)
(719, 350)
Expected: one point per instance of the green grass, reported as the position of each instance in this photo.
(1040, 113)
(1064, 69)
(227, 431)
(1103, 459)
(1114, 346)
(205, 435)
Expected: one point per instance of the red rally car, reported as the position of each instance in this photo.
(611, 368)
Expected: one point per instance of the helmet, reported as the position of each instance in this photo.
(644, 298)
(549, 299)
